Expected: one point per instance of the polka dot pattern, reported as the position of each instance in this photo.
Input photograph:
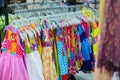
(8, 44)
(63, 62)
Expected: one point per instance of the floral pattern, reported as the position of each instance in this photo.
(109, 52)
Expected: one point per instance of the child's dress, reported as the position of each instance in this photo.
(12, 66)
(62, 55)
(33, 61)
(49, 69)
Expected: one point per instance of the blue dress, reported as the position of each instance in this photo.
(62, 56)
(85, 50)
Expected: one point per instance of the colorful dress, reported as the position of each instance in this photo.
(49, 69)
(77, 49)
(55, 55)
(12, 66)
(33, 61)
(85, 50)
(62, 55)
(71, 49)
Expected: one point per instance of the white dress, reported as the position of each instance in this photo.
(33, 63)
(34, 66)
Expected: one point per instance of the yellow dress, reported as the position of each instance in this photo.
(95, 32)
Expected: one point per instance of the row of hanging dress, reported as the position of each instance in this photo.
(33, 60)
(42, 53)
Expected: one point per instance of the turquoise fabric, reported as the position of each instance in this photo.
(63, 62)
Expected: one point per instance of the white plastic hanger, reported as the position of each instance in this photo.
(26, 38)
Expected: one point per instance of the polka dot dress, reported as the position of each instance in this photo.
(63, 62)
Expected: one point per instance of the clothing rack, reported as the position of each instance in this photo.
(53, 8)
(38, 19)
(74, 13)
(42, 9)
(62, 9)
(52, 16)
(49, 16)
(69, 9)
(33, 3)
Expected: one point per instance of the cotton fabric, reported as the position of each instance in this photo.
(12, 66)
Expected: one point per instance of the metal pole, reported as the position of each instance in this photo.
(6, 12)
(95, 4)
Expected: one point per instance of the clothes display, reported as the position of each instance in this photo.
(59, 40)
(50, 51)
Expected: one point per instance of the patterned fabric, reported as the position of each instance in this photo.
(49, 69)
(63, 50)
(11, 60)
(55, 52)
(73, 47)
(77, 49)
(62, 56)
(62, 59)
(109, 52)
(11, 43)
(48, 64)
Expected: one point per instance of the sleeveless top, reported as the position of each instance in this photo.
(11, 43)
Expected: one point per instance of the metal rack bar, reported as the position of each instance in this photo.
(32, 3)
(96, 11)
(22, 4)
(52, 8)
(6, 12)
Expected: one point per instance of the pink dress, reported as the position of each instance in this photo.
(12, 66)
